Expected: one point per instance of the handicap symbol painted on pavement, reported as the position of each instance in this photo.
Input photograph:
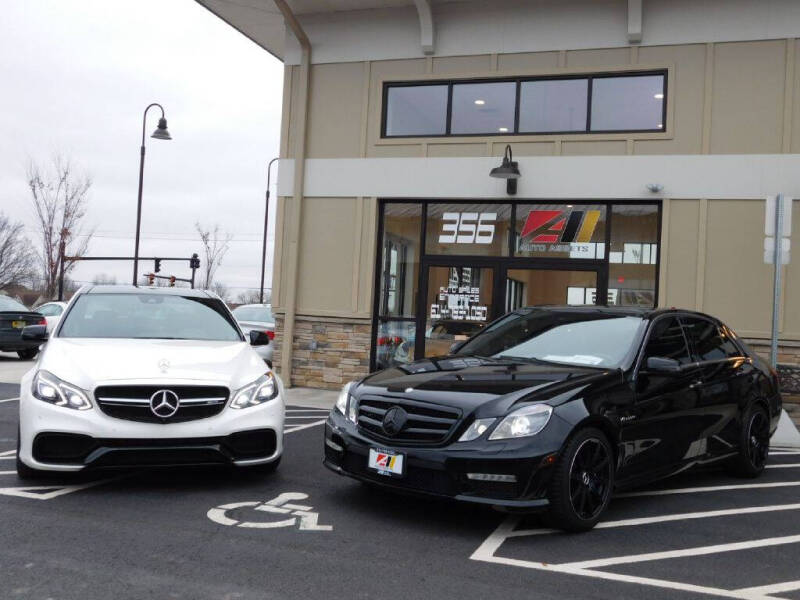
(296, 514)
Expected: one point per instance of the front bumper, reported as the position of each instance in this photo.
(442, 470)
(53, 438)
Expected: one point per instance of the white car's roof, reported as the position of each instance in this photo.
(129, 289)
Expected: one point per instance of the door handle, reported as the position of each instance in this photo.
(695, 384)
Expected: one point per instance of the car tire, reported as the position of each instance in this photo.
(751, 458)
(264, 469)
(582, 481)
(28, 354)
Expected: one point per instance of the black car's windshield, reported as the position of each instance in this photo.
(149, 316)
(587, 339)
(10, 304)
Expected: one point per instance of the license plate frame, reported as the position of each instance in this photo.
(386, 462)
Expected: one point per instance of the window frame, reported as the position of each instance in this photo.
(590, 77)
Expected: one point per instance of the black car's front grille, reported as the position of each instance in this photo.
(132, 402)
(425, 423)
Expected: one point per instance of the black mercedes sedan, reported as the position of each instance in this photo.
(14, 317)
(553, 408)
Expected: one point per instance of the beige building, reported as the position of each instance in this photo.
(647, 136)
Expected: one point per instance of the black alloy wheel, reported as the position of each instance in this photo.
(582, 481)
(753, 444)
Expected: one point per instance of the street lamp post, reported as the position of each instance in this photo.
(160, 133)
(264, 244)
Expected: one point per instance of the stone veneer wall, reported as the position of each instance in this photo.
(326, 352)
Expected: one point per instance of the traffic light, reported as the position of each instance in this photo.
(194, 262)
(172, 281)
(151, 277)
(158, 265)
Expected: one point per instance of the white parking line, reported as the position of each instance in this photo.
(784, 452)
(786, 586)
(31, 492)
(711, 488)
(8, 400)
(698, 551)
(303, 416)
(667, 518)
(304, 426)
(8, 453)
(786, 466)
(8, 472)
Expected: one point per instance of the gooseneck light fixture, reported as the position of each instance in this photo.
(161, 133)
(508, 170)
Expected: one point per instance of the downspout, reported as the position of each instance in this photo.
(299, 176)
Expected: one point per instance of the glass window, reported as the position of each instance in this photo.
(7, 303)
(596, 340)
(667, 341)
(554, 105)
(709, 342)
(402, 224)
(561, 230)
(483, 107)
(633, 255)
(628, 103)
(50, 310)
(416, 110)
(532, 287)
(459, 305)
(468, 229)
(261, 314)
(395, 343)
(149, 316)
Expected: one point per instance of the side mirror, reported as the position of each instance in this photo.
(258, 338)
(663, 365)
(35, 333)
(455, 347)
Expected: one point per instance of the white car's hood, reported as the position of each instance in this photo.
(89, 362)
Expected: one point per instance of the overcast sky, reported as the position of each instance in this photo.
(77, 75)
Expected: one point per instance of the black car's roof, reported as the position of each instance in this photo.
(623, 311)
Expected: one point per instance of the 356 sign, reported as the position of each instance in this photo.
(467, 228)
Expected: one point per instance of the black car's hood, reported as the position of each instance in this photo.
(469, 382)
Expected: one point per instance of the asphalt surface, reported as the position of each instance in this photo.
(155, 535)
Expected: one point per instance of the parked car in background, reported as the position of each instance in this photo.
(14, 317)
(553, 408)
(258, 317)
(52, 312)
(137, 377)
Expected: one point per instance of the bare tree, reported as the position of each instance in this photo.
(216, 244)
(60, 197)
(17, 264)
(104, 279)
(252, 297)
(221, 290)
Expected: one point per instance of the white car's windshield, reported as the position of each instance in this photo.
(148, 316)
(261, 314)
(587, 339)
(10, 304)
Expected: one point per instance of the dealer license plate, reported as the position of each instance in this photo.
(386, 463)
(18, 324)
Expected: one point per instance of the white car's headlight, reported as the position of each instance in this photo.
(263, 389)
(476, 430)
(528, 420)
(346, 404)
(49, 388)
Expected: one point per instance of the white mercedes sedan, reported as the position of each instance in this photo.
(137, 377)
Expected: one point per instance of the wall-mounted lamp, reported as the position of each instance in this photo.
(654, 187)
(508, 170)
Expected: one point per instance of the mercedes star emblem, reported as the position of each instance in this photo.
(394, 420)
(163, 364)
(164, 403)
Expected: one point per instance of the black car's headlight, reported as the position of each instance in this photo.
(49, 388)
(525, 421)
(345, 403)
(476, 430)
(263, 389)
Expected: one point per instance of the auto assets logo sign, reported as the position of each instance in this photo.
(561, 228)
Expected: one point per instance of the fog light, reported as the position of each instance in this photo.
(492, 477)
(334, 445)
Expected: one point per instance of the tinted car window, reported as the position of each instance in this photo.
(7, 303)
(149, 316)
(592, 339)
(667, 341)
(709, 342)
(49, 310)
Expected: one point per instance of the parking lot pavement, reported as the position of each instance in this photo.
(306, 532)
